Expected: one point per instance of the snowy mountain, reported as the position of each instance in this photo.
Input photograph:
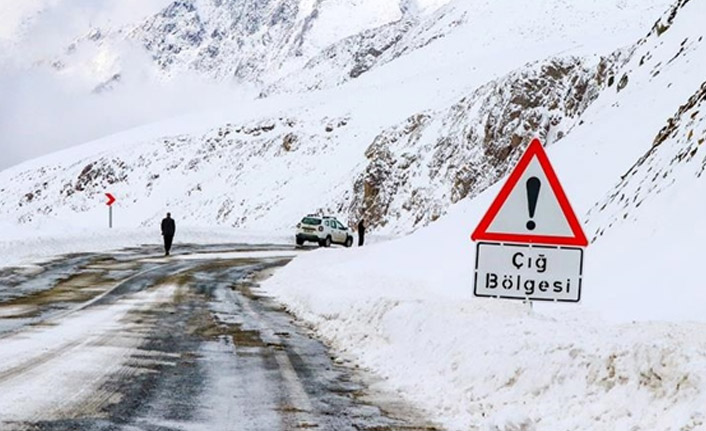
(667, 63)
(404, 110)
(421, 134)
(630, 355)
(299, 45)
(250, 41)
(409, 175)
(436, 158)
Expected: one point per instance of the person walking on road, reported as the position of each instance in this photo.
(361, 232)
(168, 230)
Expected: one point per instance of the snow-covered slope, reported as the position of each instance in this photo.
(632, 168)
(435, 158)
(432, 121)
(225, 40)
(303, 44)
(403, 146)
(267, 172)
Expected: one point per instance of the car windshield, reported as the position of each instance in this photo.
(312, 221)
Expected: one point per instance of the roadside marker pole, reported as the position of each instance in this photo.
(111, 201)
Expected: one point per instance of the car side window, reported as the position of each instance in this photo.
(340, 226)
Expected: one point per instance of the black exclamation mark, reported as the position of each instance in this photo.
(533, 186)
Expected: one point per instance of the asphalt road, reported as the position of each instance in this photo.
(134, 341)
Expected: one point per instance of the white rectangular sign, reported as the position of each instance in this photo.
(528, 272)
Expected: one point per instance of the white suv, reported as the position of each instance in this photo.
(323, 230)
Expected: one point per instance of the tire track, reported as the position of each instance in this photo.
(181, 346)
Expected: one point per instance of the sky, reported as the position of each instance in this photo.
(42, 111)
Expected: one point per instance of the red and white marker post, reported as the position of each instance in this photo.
(111, 201)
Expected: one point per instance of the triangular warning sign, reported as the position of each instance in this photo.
(531, 206)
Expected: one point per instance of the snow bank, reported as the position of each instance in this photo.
(405, 311)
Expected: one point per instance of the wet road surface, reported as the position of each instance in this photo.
(133, 341)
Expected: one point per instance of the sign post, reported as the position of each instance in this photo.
(530, 245)
(111, 201)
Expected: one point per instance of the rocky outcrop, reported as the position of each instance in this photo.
(417, 169)
(677, 152)
(247, 174)
(268, 43)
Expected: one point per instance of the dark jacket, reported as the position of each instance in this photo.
(361, 227)
(168, 227)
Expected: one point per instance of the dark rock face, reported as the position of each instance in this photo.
(98, 175)
(434, 159)
(663, 24)
(675, 154)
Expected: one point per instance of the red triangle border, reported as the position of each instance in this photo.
(534, 149)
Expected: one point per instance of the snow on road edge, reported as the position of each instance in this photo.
(25, 247)
(492, 365)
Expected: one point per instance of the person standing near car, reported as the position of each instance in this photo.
(168, 230)
(361, 232)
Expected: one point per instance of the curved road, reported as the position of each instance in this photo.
(130, 341)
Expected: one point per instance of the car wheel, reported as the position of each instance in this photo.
(327, 242)
(300, 241)
(349, 241)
